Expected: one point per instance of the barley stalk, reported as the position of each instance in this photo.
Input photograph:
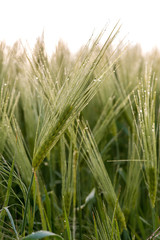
(52, 135)
(66, 102)
(145, 103)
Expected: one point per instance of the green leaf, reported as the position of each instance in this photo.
(11, 220)
(9, 186)
(91, 196)
(88, 199)
(42, 234)
(125, 235)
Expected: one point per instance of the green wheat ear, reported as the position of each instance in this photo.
(53, 134)
(152, 184)
(145, 101)
(95, 162)
(74, 92)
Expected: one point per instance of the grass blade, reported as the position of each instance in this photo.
(42, 234)
(11, 220)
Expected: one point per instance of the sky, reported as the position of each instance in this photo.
(73, 21)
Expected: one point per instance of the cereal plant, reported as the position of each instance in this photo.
(79, 142)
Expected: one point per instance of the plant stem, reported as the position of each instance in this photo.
(26, 204)
(153, 219)
(75, 155)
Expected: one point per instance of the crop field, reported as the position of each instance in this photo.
(80, 142)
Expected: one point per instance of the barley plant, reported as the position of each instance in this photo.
(79, 141)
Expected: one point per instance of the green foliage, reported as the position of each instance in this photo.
(42, 234)
(79, 142)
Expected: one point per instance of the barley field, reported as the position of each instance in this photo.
(80, 142)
